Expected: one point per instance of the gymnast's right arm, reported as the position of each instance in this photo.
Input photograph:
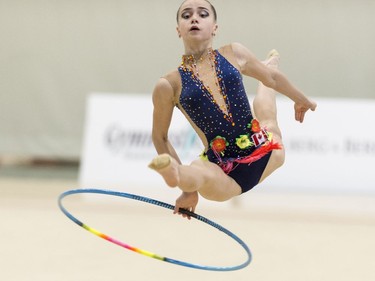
(164, 103)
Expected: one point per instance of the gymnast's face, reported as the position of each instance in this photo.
(196, 20)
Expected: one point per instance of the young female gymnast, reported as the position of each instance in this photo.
(242, 146)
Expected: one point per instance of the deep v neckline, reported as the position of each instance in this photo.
(220, 83)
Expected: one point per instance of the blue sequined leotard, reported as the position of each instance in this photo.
(235, 141)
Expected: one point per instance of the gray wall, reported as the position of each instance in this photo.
(53, 53)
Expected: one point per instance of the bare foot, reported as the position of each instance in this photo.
(167, 167)
(273, 59)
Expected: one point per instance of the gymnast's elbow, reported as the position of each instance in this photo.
(160, 141)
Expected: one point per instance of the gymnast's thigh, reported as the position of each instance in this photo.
(218, 185)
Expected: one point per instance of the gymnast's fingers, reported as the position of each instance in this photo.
(185, 215)
(179, 210)
(301, 116)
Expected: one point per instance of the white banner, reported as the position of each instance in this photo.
(332, 151)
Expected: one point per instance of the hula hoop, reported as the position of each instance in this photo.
(147, 253)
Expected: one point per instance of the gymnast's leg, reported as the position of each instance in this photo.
(203, 176)
(265, 110)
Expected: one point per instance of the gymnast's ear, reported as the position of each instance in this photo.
(178, 32)
(215, 29)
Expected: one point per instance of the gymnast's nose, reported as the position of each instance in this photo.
(194, 18)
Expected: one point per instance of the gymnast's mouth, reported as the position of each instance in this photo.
(194, 28)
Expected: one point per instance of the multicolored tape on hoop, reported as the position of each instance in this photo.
(147, 253)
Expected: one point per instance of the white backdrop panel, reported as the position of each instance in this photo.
(332, 151)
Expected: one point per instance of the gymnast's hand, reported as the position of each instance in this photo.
(300, 108)
(188, 201)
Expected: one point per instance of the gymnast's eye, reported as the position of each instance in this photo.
(204, 14)
(185, 15)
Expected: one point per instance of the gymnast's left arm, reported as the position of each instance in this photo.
(272, 78)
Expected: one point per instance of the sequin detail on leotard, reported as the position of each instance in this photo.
(234, 140)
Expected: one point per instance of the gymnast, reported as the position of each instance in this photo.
(243, 143)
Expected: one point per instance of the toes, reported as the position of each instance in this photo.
(273, 58)
(159, 162)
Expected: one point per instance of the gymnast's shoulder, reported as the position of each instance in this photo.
(169, 85)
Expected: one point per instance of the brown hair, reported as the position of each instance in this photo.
(212, 8)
